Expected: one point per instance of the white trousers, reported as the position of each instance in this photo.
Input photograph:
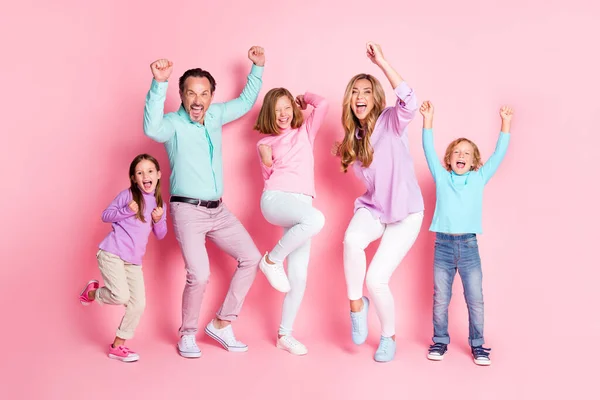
(396, 241)
(300, 221)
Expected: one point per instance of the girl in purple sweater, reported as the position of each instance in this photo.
(134, 213)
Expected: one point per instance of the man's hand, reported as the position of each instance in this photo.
(256, 54)
(161, 69)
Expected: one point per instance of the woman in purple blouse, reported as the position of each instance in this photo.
(376, 146)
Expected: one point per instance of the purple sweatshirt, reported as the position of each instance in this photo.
(392, 188)
(129, 236)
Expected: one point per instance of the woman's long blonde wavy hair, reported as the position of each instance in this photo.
(353, 148)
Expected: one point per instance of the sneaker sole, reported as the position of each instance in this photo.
(484, 363)
(86, 303)
(435, 357)
(185, 354)
(359, 342)
(289, 350)
(123, 359)
(384, 360)
(225, 346)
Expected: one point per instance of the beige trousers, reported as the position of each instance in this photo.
(123, 285)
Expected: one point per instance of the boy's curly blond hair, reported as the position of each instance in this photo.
(476, 155)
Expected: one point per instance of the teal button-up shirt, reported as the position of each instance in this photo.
(194, 150)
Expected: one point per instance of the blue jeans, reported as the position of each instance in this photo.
(457, 253)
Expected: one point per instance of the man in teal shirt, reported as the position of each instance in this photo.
(192, 138)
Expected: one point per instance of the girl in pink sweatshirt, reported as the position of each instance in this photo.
(287, 162)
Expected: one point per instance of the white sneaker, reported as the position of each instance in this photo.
(292, 345)
(275, 275)
(226, 338)
(188, 348)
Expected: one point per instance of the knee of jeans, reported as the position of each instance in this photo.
(317, 221)
(121, 297)
(297, 283)
(374, 283)
(251, 261)
(137, 307)
(441, 297)
(475, 300)
(296, 291)
(354, 240)
(196, 278)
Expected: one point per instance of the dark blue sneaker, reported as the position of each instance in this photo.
(481, 355)
(437, 351)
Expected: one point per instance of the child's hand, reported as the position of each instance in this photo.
(506, 113)
(157, 213)
(300, 101)
(161, 69)
(133, 206)
(427, 110)
(374, 53)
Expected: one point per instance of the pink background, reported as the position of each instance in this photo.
(74, 81)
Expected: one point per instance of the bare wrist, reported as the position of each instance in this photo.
(383, 63)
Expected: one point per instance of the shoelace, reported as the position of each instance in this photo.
(291, 341)
(481, 352)
(278, 268)
(189, 342)
(229, 337)
(439, 348)
(384, 344)
(355, 322)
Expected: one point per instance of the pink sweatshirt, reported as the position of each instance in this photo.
(293, 168)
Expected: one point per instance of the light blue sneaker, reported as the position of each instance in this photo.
(360, 326)
(386, 350)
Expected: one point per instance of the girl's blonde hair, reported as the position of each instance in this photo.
(353, 148)
(267, 118)
(476, 155)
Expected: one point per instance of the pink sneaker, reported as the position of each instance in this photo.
(83, 296)
(122, 353)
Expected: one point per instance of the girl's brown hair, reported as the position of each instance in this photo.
(353, 148)
(267, 118)
(136, 192)
(476, 155)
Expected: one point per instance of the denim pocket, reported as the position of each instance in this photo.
(471, 243)
(441, 243)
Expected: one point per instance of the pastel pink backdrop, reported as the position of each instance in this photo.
(75, 77)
